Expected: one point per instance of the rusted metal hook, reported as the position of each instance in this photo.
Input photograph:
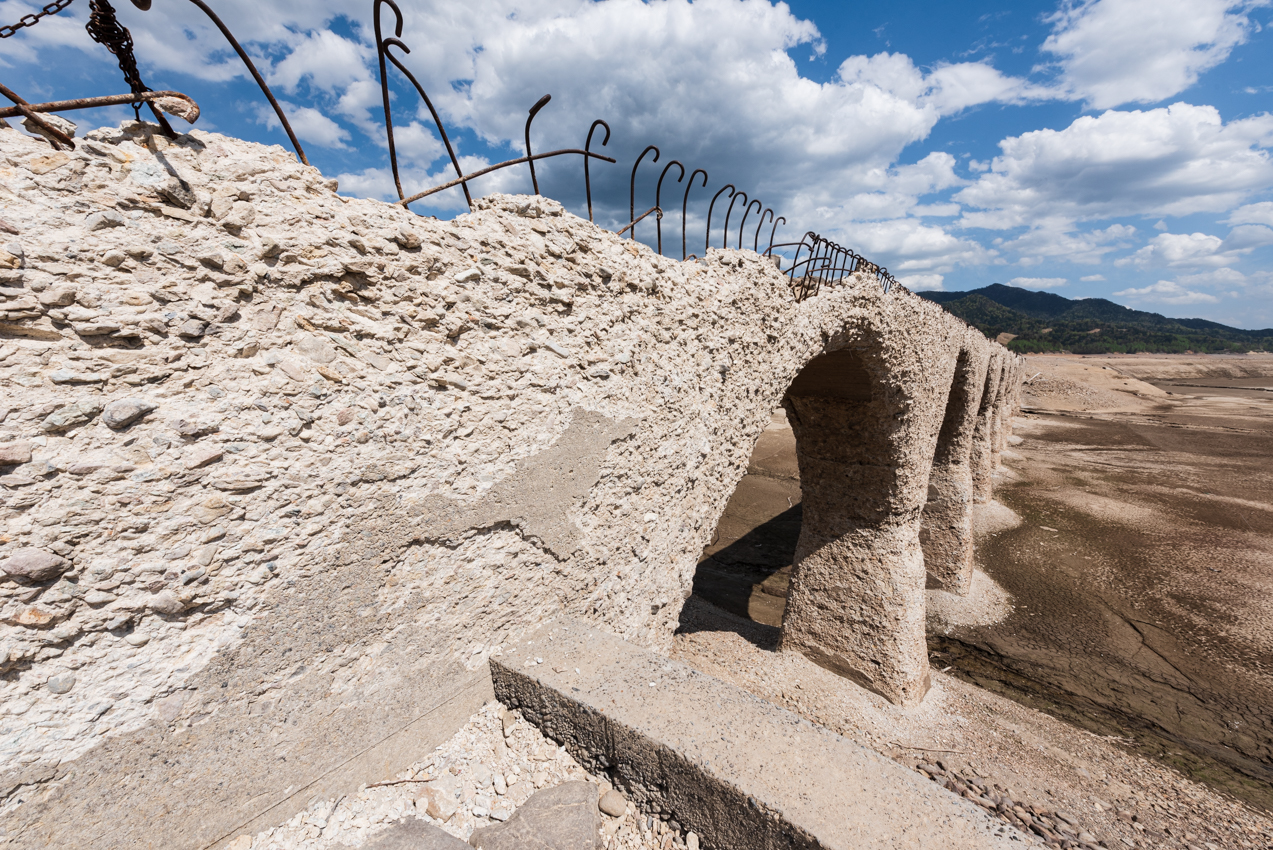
(587, 146)
(725, 231)
(769, 252)
(658, 199)
(437, 119)
(530, 158)
(685, 202)
(743, 223)
(632, 186)
(755, 244)
(728, 187)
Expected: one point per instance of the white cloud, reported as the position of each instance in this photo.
(1200, 249)
(1261, 213)
(1113, 52)
(1092, 278)
(1167, 292)
(1051, 239)
(923, 282)
(1175, 161)
(1038, 282)
(311, 126)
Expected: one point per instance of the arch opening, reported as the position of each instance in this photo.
(821, 536)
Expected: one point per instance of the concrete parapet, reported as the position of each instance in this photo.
(740, 772)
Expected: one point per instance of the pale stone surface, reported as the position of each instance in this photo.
(558, 431)
(560, 818)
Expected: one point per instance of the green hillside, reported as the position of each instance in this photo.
(1044, 321)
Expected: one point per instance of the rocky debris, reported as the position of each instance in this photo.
(34, 565)
(612, 803)
(415, 834)
(1057, 829)
(495, 767)
(560, 818)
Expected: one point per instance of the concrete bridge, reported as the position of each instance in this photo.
(283, 470)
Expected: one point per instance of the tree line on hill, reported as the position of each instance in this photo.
(1034, 322)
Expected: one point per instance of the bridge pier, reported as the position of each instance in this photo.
(984, 458)
(855, 604)
(946, 531)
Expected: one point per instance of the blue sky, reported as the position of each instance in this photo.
(1113, 148)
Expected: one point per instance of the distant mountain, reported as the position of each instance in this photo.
(1044, 321)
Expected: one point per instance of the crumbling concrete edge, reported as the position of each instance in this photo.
(723, 815)
(384, 758)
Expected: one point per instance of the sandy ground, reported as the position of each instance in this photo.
(1155, 504)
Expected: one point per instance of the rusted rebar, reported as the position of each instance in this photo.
(743, 223)
(191, 115)
(256, 75)
(632, 186)
(658, 199)
(632, 224)
(685, 203)
(587, 146)
(725, 230)
(55, 136)
(728, 187)
(530, 159)
(456, 182)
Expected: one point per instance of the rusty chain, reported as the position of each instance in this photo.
(33, 19)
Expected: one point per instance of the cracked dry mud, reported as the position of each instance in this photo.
(1136, 587)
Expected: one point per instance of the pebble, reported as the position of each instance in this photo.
(60, 684)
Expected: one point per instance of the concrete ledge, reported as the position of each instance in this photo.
(737, 770)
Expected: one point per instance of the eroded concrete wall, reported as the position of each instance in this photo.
(282, 469)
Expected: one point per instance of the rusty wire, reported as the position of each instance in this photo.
(105, 29)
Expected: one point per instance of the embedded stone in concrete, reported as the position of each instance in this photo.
(946, 531)
(415, 834)
(736, 770)
(560, 818)
(34, 565)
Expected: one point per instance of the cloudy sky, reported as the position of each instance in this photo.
(1114, 148)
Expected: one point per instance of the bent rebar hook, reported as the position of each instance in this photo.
(685, 202)
(382, 53)
(755, 244)
(725, 230)
(707, 241)
(769, 252)
(632, 186)
(743, 223)
(587, 146)
(256, 75)
(658, 199)
(534, 110)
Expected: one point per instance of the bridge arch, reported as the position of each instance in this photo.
(866, 407)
